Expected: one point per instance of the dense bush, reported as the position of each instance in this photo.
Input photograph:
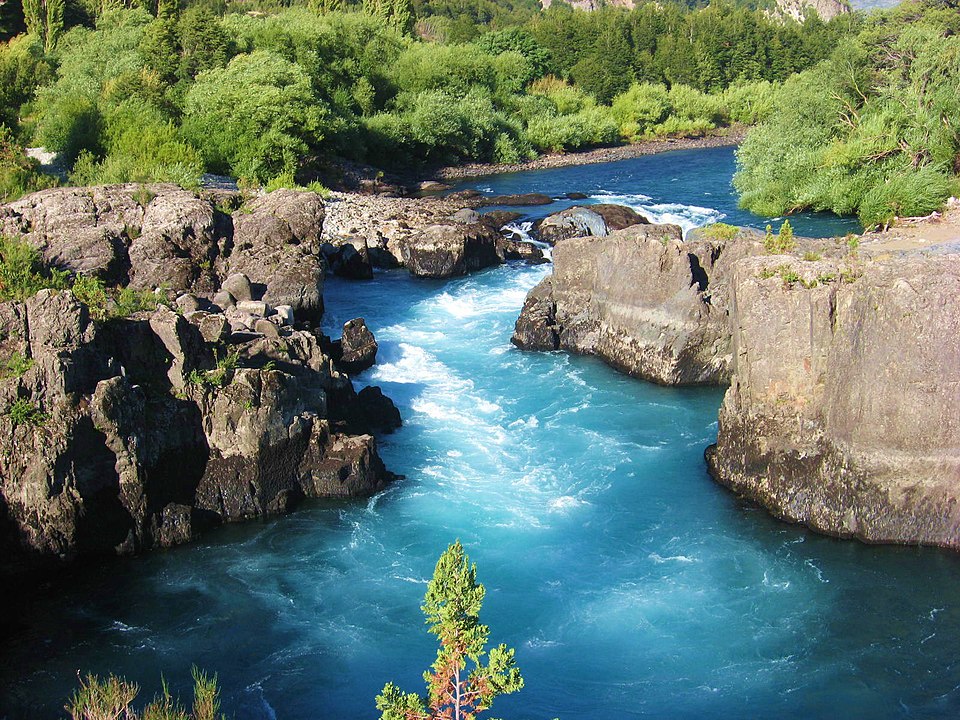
(254, 118)
(23, 68)
(18, 173)
(166, 90)
(438, 127)
(868, 131)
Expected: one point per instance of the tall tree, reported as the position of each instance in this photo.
(44, 18)
(452, 607)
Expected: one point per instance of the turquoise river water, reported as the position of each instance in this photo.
(629, 583)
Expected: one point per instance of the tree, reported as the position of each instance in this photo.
(452, 607)
(44, 18)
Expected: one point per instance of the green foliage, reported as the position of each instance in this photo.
(108, 303)
(452, 608)
(286, 180)
(439, 127)
(218, 377)
(92, 292)
(23, 68)
(19, 174)
(24, 412)
(44, 20)
(520, 41)
(112, 699)
(780, 243)
(254, 118)
(15, 365)
(867, 131)
(720, 231)
(21, 272)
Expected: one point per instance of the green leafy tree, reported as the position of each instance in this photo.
(254, 118)
(44, 18)
(452, 607)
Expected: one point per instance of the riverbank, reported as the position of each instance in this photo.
(724, 138)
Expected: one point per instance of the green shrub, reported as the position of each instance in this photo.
(591, 126)
(112, 699)
(22, 274)
(15, 365)
(720, 231)
(24, 412)
(566, 98)
(644, 104)
(438, 127)
(218, 377)
(92, 292)
(254, 118)
(23, 68)
(19, 174)
(780, 243)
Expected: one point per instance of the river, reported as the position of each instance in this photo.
(629, 583)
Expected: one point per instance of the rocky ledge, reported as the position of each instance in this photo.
(842, 413)
(641, 298)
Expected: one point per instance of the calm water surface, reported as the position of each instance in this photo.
(628, 582)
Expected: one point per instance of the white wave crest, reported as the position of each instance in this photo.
(686, 216)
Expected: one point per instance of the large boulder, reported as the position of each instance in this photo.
(148, 235)
(445, 250)
(179, 241)
(84, 230)
(358, 346)
(276, 244)
(842, 410)
(642, 299)
(583, 221)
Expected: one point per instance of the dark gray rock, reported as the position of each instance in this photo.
(590, 220)
(238, 287)
(378, 410)
(276, 243)
(522, 200)
(358, 346)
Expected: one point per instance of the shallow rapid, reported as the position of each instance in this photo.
(628, 582)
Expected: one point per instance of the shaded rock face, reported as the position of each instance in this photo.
(641, 299)
(125, 435)
(842, 410)
(446, 250)
(379, 411)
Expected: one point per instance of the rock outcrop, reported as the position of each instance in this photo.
(842, 410)
(130, 433)
(276, 243)
(434, 236)
(642, 299)
(162, 236)
(446, 250)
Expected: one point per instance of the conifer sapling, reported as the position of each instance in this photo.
(452, 607)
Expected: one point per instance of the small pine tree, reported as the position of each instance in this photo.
(452, 607)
